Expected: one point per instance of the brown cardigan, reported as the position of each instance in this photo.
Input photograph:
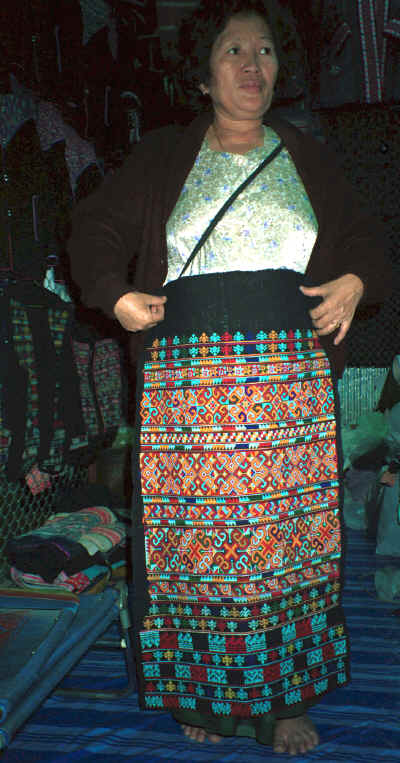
(123, 223)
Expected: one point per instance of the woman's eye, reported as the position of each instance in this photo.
(266, 50)
(234, 50)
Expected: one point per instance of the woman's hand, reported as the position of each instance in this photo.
(137, 311)
(388, 478)
(339, 302)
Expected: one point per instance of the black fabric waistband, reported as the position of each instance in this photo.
(239, 300)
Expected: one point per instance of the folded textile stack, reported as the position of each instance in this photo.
(77, 551)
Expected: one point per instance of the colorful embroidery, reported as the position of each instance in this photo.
(239, 482)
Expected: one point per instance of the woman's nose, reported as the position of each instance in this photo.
(251, 62)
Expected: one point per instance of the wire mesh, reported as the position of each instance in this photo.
(359, 392)
(21, 512)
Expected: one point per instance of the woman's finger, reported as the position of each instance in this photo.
(343, 329)
(315, 291)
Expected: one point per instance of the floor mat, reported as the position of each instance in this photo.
(358, 724)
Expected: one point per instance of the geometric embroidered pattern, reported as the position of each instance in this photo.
(239, 481)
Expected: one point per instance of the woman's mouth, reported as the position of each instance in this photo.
(252, 86)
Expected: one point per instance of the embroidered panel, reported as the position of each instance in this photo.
(239, 481)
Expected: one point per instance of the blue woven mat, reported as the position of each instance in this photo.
(359, 723)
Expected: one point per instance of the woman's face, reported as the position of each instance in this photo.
(243, 67)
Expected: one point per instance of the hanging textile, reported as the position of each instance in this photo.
(357, 55)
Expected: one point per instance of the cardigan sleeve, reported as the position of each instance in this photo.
(105, 227)
(109, 226)
(352, 238)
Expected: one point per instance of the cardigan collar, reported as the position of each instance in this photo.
(188, 146)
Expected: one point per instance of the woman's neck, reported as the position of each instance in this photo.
(236, 138)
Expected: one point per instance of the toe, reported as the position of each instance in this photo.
(195, 733)
(295, 735)
(198, 734)
(280, 746)
(214, 738)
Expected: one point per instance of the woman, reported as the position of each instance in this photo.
(237, 541)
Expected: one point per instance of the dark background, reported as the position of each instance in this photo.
(110, 68)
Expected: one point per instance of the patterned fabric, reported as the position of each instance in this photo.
(376, 30)
(96, 528)
(37, 480)
(99, 366)
(282, 231)
(79, 153)
(356, 58)
(240, 504)
(59, 397)
(15, 109)
(91, 580)
(96, 15)
(71, 550)
(108, 379)
(369, 47)
(23, 343)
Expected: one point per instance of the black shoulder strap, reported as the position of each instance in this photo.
(228, 203)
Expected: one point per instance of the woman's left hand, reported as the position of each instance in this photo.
(388, 478)
(339, 302)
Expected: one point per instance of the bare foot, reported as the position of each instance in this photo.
(295, 735)
(198, 734)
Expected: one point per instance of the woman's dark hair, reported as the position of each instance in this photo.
(199, 31)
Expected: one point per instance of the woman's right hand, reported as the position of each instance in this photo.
(137, 311)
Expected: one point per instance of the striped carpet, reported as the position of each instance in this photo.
(360, 722)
